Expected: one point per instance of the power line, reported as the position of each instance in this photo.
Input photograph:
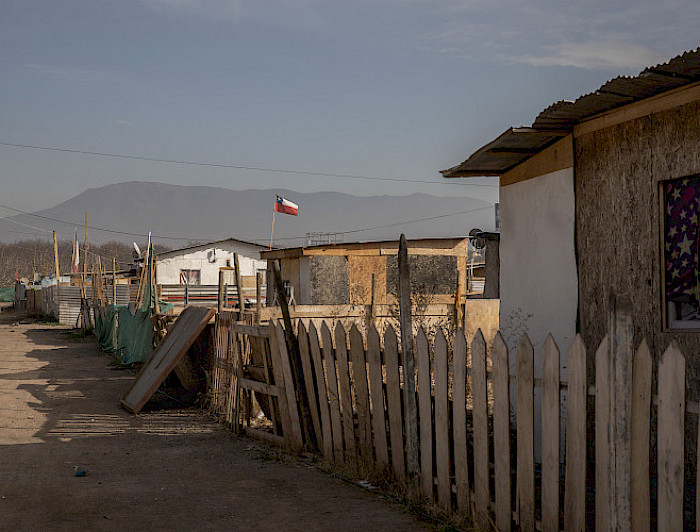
(238, 167)
(351, 231)
(113, 231)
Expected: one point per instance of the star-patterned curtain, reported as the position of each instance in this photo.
(681, 241)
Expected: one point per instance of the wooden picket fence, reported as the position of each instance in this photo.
(476, 449)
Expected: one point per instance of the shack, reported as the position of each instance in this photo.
(199, 264)
(342, 274)
(600, 199)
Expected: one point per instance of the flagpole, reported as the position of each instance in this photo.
(272, 231)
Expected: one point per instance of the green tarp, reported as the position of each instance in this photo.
(129, 336)
(7, 295)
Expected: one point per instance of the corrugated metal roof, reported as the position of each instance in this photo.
(558, 119)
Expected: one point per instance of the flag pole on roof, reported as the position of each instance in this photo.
(284, 206)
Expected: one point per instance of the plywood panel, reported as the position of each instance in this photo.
(163, 360)
(361, 269)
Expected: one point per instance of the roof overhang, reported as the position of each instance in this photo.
(510, 149)
(517, 145)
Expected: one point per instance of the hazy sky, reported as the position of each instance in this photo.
(386, 88)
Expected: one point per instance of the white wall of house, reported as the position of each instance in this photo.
(208, 259)
(539, 279)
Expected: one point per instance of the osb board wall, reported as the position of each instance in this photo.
(481, 314)
(361, 269)
(617, 175)
(329, 280)
(431, 275)
(289, 269)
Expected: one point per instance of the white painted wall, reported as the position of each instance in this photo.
(539, 279)
(208, 259)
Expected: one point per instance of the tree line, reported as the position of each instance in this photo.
(24, 258)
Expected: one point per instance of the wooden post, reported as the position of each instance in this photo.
(239, 286)
(294, 357)
(86, 250)
(406, 319)
(114, 280)
(615, 405)
(258, 297)
(55, 256)
(220, 298)
(154, 284)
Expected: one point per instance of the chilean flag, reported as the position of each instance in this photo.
(286, 207)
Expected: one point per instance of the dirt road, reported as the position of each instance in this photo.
(167, 469)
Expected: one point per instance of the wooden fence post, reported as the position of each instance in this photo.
(670, 445)
(241, 301)
(410, 407)
(613, 420)
(294, 357)
(220, 298)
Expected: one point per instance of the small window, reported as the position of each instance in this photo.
(190, 277)
(681, 234)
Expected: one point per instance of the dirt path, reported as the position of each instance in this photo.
(167, 469)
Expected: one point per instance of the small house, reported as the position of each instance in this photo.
(199, 264)
(600, 199)
(343, 274)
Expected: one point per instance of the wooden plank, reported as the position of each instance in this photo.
(166, 356)
(376, 388)
(258, 387)
(425, 413)
(305, 356)
(393, 400)
(333, 395)
(501, 433)
(603, 434)
(296, 438)
(326, 435)
(670, 439)
(481, 430)
(442, 423)
(639, 452)
(278, 375)
(550, 435)
(251, 330)
(341, 351)
(575, 484)
(525, 374)
(459, 420)
(359, 380)
(407, 358)
(263, 435)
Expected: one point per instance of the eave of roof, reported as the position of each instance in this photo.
(208, 244)
(306, 250)
(516, 145)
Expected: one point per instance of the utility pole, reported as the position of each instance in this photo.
(55, 255)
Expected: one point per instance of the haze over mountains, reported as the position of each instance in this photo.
(177, 215)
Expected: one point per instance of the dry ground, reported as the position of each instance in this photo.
(165, 469)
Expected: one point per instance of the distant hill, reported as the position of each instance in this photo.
(178, 214)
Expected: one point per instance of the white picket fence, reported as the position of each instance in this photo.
(476, 451)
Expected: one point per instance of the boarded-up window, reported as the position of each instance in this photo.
(681, 234)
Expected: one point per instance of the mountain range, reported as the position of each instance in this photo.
(177, 215)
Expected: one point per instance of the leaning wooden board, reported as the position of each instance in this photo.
(166, 356)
